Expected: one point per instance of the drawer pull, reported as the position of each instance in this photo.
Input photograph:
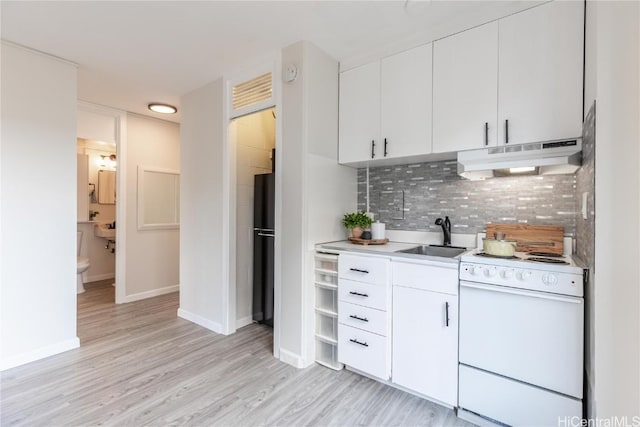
(359, 271)
(353, 316)
(358, 294)
(364, 344)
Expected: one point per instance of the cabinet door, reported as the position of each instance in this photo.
(359, 113)
(465, 90)
(540, 80)
(406, 103)
(425, 349)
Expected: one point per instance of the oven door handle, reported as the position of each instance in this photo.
(501, 289)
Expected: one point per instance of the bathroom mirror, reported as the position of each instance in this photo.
(106, 187)
(158, 198)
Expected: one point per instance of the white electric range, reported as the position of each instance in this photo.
(521, 339)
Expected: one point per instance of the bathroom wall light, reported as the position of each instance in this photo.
(108, 161)
(162, 108)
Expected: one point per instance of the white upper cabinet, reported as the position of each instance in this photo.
(465, 87)
(406, 103)
(359, 113)
(385, 108)
(540, 68)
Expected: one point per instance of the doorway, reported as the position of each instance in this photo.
(97, 198)
(253, 136)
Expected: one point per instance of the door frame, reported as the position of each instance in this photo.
(272, 63)
(119, 118)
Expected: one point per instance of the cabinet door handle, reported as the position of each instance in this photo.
(385, 147)
(364, 344)
(359, 271)
(353, 316)
(446, 314)
(373, 148)
(358, 294)
(486, 133)
(506, 131)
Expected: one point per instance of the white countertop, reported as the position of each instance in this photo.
(390, 249)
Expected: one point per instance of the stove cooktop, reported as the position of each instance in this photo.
(543, 257)
(525, 260)
(546, 260)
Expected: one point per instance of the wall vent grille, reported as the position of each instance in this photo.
(252, 92)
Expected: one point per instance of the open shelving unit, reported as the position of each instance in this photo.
(326, 308)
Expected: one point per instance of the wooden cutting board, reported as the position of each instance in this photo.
(530, 237)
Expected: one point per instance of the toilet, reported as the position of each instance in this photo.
(83, 264)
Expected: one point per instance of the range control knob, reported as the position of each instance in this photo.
(470, 269)
(523, 276)
(549, 279)
(490, 272)
(506, 274)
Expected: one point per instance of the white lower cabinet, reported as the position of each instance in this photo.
(363, 350)
(425, 343)
(364, 311)
(398, 321)
(425, 330)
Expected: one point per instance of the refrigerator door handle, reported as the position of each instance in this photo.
(263, 230)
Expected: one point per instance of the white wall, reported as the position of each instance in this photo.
(254, 139)
(37, 169)
(315, 191)
(617, 289)
(153, 256)
(201, 207)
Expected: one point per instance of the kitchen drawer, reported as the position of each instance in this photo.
(436, 278)
(368, 319)
(364, 351)
(365, 294)
(364, 269)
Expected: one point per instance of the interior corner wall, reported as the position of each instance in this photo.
(201, 207)
(590, 89)
(315, 191)
(617, 321)
(37, 168)
(292, 239)
(153, 256)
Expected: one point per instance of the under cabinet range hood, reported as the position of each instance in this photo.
(537, 158)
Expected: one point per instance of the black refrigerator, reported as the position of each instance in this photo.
(263, 250)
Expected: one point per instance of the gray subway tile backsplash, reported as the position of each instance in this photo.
(433, 190)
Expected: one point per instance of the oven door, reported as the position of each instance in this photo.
(534, 337)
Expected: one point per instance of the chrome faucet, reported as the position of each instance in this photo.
(446, 230)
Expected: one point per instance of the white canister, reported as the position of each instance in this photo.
(377, 230)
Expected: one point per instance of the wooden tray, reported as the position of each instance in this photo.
(531, 237)
(359, 241)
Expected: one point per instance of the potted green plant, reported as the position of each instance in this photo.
(356, 223)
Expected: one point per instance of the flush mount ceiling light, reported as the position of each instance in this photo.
(162, 108)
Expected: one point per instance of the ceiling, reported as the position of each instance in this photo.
(130, 53)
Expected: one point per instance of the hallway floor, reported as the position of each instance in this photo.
(139, 364)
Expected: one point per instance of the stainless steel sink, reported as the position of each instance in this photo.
(435, 250)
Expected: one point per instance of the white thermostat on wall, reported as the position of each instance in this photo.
(290, 73)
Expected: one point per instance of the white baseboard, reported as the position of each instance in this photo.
(292, 359)
(151, 293)
(240, 323)
(40, 353)
(199, 320)
(98, 277)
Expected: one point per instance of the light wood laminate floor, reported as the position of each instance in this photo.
(139, 364)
